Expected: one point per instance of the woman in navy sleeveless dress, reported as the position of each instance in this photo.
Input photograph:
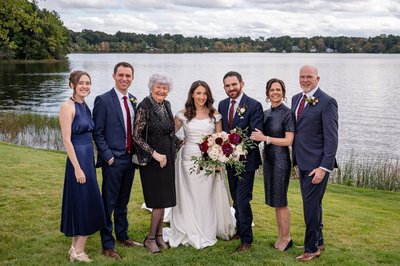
(82, 207)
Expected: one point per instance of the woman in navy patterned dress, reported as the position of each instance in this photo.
(82, 207)
(277, 134)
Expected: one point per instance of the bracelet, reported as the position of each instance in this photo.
(268, 140)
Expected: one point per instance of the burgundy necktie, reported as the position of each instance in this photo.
(301, 106)
(128, 126)
(230, 116)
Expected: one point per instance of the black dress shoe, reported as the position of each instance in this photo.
(289, 245)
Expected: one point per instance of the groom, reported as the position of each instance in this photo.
(241, 111)
(314, 150)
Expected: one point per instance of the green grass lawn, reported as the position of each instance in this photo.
(361, 225)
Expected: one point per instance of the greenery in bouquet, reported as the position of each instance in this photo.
(221, 149)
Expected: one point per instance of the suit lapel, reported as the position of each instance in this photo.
(236, 117)
(117, 107)
(133, 101)
(224, 113)
(297, 101)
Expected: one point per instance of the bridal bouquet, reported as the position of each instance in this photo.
(221, 149)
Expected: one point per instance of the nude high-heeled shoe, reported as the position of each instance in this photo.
(71, 249)
(82, 257)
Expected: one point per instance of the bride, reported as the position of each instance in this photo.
(203, 211)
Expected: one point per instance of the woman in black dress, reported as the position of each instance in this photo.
(154, 135)
(277, 134)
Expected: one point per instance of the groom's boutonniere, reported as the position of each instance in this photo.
(312, 100)
(241, 110)
(133, 101)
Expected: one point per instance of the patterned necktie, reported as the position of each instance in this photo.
(301, 106)
(230, 116)
(128, 126)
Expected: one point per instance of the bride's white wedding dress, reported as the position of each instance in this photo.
(203, 211)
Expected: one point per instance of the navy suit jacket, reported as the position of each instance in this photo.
(109, 126)
(316, 137)
(251, 119)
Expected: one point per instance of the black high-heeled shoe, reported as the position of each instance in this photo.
(148, 248)
(161, 244)
(289, 245)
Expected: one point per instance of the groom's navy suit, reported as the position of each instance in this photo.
(241, 188)
(315, 145)
(110, 138)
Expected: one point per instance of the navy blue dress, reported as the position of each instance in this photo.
(82, 206)
(277, 164)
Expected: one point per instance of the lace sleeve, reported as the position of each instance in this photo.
(139, 131)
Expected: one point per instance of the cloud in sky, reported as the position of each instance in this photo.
(232, 18)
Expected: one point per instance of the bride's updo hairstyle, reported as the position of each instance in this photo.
(190, 108)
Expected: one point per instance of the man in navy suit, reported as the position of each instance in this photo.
(314, 150)
(113, 114)
(241, 111)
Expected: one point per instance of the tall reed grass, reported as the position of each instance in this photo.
(28, 129)
(377, 173)
(43, 131)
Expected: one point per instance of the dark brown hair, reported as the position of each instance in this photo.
(190, 112)
(75, 76)
(272, 81)
(233, 74)
(123, 64)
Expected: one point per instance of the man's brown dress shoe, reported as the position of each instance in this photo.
(130, 243)
(243, 247)
(308, 256)
(112, 253)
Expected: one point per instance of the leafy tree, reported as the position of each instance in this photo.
(26, 32)
(17, 20)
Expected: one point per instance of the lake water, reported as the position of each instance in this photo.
(366, 86)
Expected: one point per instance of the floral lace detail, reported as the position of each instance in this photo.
(159, 120)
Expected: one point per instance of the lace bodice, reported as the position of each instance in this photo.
(158, 118)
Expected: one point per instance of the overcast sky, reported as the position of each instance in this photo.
(232, 18)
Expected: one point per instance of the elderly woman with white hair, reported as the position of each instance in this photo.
(154, 134)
